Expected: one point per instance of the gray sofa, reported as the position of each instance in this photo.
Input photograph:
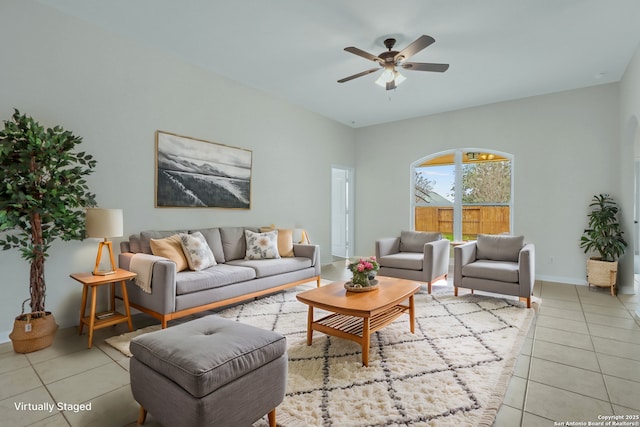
(414, 255)
(233, 279)
(496, 263)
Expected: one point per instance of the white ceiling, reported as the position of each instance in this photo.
(498, 49)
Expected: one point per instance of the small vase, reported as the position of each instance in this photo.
(361, 279)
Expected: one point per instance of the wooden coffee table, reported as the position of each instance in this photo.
(355, 316)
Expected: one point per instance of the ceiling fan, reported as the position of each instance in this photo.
(390, 77)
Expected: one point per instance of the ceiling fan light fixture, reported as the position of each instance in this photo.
(390, 78)
(390, 75)
(387, 76)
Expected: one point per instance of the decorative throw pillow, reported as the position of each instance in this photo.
(171, 248)
(285, 240)
(198, 253)
(262, 245)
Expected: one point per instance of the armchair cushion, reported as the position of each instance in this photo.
(492, 270)
(499, 248)
(403, 260)
(413, 241)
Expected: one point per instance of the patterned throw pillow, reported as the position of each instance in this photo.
(262, 245)
(197, 251)
(285, 240)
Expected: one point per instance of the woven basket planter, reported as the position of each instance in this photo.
(33, 333)
(602, 273)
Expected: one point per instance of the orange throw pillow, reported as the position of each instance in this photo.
(170, 248)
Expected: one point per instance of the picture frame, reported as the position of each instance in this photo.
(194, 172)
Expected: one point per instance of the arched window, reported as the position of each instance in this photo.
(462, 193)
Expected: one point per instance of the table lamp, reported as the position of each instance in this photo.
(104, 223)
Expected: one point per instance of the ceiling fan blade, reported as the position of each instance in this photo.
(415, 47)
(424, 66)
(363, 54)
(355, 76)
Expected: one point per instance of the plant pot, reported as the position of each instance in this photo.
(602, 273)
(33, 333)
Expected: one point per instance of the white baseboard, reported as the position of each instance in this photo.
(561, 279)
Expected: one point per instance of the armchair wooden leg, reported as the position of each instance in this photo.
(455, 291)
(429, 287)
(272, 418)
(142, 417)
(528, 300)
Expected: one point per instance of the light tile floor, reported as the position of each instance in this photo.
(581, 360)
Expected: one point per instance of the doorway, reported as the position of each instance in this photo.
(342, 215)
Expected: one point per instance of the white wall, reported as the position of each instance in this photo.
(116, 95)
(566, 149)
(630, 150)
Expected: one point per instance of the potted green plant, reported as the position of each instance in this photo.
(43, 196)
(603, 235)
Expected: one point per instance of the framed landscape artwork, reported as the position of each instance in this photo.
(196, 173)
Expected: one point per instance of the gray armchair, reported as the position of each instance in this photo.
(496, 263)
(415, 255)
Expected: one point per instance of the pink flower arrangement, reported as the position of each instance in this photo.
(364, 265)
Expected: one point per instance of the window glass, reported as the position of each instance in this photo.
(463, 193)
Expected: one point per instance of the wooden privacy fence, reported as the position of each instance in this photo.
(476, 219)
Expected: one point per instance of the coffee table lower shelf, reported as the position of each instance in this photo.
(354, 328)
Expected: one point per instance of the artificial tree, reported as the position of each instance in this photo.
(43, 193)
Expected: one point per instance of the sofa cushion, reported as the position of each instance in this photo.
(271, 267)
(233, 242)
(499, 247)
(262, 245)
(205, 354)
(403, 260)
(413, 241)
(502, 271)
(212, 277)
(197, 251)
(170, 248)
(134, 244)
(212, 236)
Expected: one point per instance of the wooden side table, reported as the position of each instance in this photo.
(97, 321)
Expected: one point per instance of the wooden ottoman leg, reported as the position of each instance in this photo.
(272, 418)
(142, 417)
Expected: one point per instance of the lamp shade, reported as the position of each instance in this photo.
(103, 223)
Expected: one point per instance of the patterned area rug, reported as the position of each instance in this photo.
(453, 371)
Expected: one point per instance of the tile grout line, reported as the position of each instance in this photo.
(606, 387)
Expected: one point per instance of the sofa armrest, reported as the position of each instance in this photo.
(387, 246)
(463, 254)
(527, 267)
(308, 251)
(162, 298)
(436, 259)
